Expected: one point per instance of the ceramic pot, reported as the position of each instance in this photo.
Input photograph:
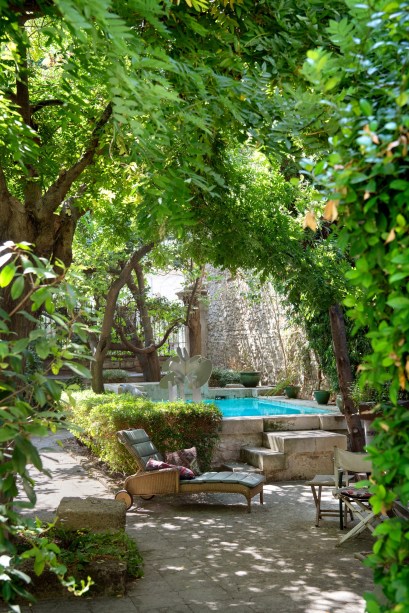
(322, 396)
(250, 378)
(292, 391)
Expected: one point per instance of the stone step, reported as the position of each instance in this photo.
(241, 467)
(262, 458)
(303, 441)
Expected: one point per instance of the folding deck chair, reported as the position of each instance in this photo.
(147, 484)
(355, 500)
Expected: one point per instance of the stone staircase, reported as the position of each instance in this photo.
(294, 454)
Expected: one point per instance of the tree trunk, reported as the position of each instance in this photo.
(97, 369)
(195, 331)
(107, 323)
(47, 219)
(345, 378)
(153, 370)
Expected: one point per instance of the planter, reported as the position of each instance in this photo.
(322, 396)
(292, 391)
(250, 378)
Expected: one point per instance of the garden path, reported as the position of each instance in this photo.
(206, 553)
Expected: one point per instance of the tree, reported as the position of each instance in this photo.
(83, 83)
(117, 289)
(365, 179)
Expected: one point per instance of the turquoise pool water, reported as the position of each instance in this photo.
(260, 407)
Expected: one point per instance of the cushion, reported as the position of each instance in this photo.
(184, 457)
(361, 494)
(248, 479)
(184, 473)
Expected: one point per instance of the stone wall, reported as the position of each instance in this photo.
(247, 330)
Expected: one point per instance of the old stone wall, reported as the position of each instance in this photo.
(247, 330)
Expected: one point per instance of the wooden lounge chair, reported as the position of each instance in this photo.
(147, 484)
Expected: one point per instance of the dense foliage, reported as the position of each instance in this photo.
(220, 377)
(29, 398)
(367, 175)
(170, 425)
(258, 227)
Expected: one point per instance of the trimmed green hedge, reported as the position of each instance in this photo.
(115, 375)
(171, 426)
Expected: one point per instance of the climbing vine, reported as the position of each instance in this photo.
(367, 175)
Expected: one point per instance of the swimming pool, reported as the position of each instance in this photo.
(260, 407)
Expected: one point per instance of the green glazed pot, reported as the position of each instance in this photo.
(250, 378)
(292, 391)
(322, 396)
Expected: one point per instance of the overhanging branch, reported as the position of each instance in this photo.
(44, 103)
(59, 189)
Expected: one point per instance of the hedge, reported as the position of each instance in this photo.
(95, 419)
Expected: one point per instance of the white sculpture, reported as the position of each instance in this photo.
(194, 372)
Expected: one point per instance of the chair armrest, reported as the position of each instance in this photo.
(149, 483)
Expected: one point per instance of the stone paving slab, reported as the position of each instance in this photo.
(206, 553)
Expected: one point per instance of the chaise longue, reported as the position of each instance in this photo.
(147, 484)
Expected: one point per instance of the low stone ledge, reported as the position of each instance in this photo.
(94, 514)
(242, 425)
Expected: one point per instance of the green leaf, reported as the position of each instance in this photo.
(399, 184)
(79, 369)
(17, 288)
(398, 302)
(402, 99)
(366, 107)
(7, 275)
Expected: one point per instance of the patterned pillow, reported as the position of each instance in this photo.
(184, 457)
(361, 493)
(184, 473)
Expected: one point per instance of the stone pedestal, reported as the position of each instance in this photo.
(94, 514)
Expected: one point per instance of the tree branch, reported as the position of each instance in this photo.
(58, 190)
(44, 103)
(151, 348)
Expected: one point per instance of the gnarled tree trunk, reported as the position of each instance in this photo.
(46, 218)
(339, 339)
(104, 339)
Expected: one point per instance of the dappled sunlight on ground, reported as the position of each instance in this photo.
(206, 550)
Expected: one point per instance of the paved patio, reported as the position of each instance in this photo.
(205, 553)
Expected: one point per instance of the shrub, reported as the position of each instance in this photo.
(116, 375)
(76, 550)
(220, 377)
(171, 426)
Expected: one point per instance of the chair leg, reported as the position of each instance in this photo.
(364, 523)
(248, 503)
(261, 497)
